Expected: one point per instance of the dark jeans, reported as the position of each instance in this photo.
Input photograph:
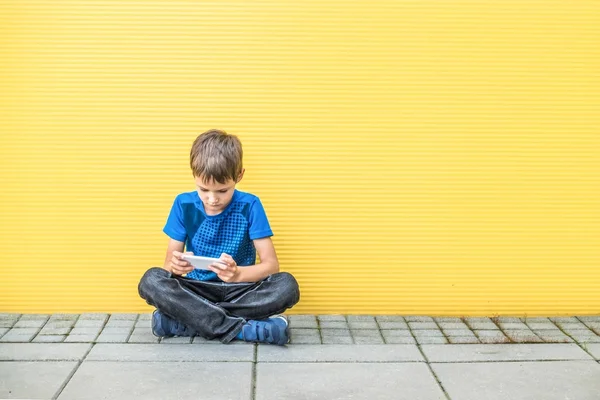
(217, 309)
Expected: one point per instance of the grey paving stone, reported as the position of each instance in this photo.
(448, 320)
(7, 323)
(34, 317)
(393, 325)
(86, 331)
(365, 333)
(19, 335)
(594, 349)
(346, 381)
(422, 325)
(564, 319)
(3, 331)
(145, 317)
(551, 337)
(488, 326)
(368, 340)
(117, 330)
(360, 318)
(108, 380)
(339, 353)
(9, 316)
(120, 323)
(335, 332)
(478, 320)
(589, 318)
(49, 338)
(458, 332)
(120, 316)
(179, 339)
(542, 325)
(363, 325)
(116, 338)
(513, 326)
(93, 316)
(63, 317)
(491, 336)
(146, 324)
(400, 340)
(42, 351)
(571, 326)
(418, 318)
(431, 340)
(331, 318)
(30, 323)
(522, 336)
(337, 340)
(504, 352)
(305, 338)
(453, 325)
(389, 318)
(201, 340)
(395, 333)
(592, 325)
(170, 352)
(462, 339)
(505, 320)
(519, 381)
(59, 324)
(142, 338)
(54, 331)
(428, 333)
(584, 336)
(303, 321)
(333, 325)
(80, 338)
(535, 319)
(33, 380)
(89, 323)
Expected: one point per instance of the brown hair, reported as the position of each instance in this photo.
(216, 155)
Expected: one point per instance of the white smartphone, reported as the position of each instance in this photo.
(199, 262)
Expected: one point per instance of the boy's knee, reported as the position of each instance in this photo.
(290, 286)
(151, 280)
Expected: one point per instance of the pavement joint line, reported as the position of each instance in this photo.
(350, 330)
(319, 328)
(427, 362)
(133, 328)
(66, 382)
(582, 347)
(495, 320)
(253, 378)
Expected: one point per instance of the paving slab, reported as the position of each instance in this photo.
(504, 352)
(555, 380)
(43, 351)
(339, 353)
(33, 380)
(594, 350)
(402, 381)
(170, 352)
(164, 380)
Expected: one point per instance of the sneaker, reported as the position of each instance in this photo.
(163, 326)
(273, 330)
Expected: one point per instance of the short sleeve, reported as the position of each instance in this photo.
(174, 227)
(259, 224)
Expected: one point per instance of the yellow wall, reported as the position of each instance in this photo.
(415, 157)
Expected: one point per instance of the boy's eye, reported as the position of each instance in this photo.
(223, 191)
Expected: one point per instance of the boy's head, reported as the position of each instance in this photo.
(216, 162)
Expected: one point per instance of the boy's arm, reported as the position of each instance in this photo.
(268, 262)
(174, 245)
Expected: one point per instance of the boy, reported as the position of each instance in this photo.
(236, 298)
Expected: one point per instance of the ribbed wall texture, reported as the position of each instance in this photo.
(415, 157)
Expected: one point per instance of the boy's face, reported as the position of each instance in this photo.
(214, 195)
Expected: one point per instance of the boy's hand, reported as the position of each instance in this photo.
(226, 269)
(178, 265)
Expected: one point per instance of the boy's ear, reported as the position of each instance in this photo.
(241, 175)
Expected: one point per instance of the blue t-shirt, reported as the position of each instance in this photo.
(231, 232)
